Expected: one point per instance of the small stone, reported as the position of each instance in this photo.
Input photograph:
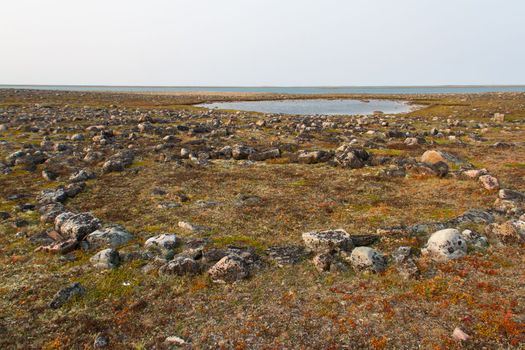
(65, 294)
(76, 226)
(458, 334)
(101, 341)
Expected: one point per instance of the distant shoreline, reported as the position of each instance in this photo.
(289, 90)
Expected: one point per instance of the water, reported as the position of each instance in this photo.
(309, 107)
(285, 90)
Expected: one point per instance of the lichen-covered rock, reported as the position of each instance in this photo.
(82, 175)
(112, 236)
(445, 245)
(512, 231)
(182, 265)
(241, 151)
(325, 241)
(229, 269)
(65, 294)
(105, 259)
(76, 226)
(287, 255)
(163, 243)
(367, 259)
(489, 182)
(349, 157)
(328, 262)
(475, 239)
(313, 157)
(403, 258)
(51, 196)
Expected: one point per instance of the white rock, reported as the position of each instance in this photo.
(445, 245)
(106, 259)
(163, 243)
(367, 259)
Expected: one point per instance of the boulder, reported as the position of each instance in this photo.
(489, 182)
(367, 259)
(229, 269)
(163, 243)
(329, 240)
(105, 259)
(76, 226)
(112, 236)
(403, 258)
(445, 245)
(435, 156)
(512, 231)
(181, 265)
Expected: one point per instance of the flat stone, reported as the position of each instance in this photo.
(325, 241)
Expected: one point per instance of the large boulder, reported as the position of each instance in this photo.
(445, 245)
(489, 182)
(76, 226)
(329, 240)
(367, 259)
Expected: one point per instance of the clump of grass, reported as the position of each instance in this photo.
(240, 240)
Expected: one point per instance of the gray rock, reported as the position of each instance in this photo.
(287, 255)
(403, 258)
(65, 294)
(112, 236)
(367, 259)
(475, 239)
(105, 259)
(181, 265)
(163, 243)
(76, 226)
(51, 196)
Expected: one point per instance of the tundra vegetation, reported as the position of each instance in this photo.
(140, 221)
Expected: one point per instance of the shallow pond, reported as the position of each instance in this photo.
(310, 107)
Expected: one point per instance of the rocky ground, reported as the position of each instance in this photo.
(139, 221)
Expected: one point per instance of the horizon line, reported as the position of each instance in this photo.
(269, 86)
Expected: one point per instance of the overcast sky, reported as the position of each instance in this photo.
(262, 42)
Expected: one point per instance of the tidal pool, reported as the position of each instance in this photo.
(316, 106)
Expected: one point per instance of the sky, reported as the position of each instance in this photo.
(262, 42)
